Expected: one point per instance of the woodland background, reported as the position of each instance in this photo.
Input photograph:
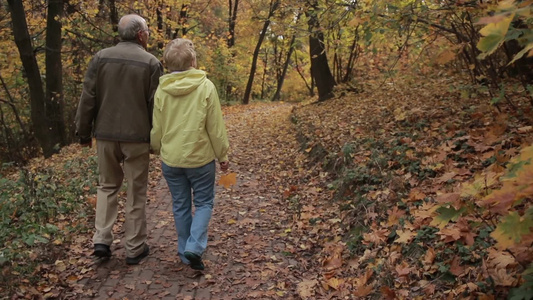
(333, 52)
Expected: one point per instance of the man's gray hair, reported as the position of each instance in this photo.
(130, 25)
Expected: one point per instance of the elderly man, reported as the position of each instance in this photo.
(116, 108)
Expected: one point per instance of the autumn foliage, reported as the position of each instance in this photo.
(414, 181)
(435, 199)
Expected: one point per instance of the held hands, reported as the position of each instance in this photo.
(224, 166)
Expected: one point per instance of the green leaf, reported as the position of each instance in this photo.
(493, 36)
(30, 240)
(52, 227)
(511, 229)
(446, 214)
(523, 292)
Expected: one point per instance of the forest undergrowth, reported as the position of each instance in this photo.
(402, 188)
(434, 188)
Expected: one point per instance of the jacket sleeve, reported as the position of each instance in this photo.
(215, 125)
(156, 72)
(87, 107)
(156, 134)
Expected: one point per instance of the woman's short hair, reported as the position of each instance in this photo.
(179, 55)
(130, 25)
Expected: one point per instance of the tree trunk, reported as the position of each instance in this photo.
(273, 6)
(320, 70)
(263, 80)
(353, 55)
(113, 15)
(159, 13)
(54, 73)
(284, 72)
(182, 21)
(232, 20)
(44, 126)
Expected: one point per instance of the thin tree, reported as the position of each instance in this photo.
(274, 4)
(281, 78)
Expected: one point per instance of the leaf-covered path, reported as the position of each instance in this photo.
(249, 249)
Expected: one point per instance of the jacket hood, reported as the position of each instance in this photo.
(182, 83)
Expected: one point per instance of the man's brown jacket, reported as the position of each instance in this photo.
(117, 99)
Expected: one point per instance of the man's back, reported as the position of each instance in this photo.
(121, 81)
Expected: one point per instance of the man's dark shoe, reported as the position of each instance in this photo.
(137, 259)
(195, 260)
(102, 250)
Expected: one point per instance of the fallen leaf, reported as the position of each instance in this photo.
(228, 180)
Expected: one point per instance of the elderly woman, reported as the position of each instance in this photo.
(189, 134)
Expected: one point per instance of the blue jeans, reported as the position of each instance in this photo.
(192, 231)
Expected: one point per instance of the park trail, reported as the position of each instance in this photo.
(250, 253)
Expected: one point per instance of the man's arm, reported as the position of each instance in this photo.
(87, 108)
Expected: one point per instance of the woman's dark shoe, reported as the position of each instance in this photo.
(137, 259)
(195, 260)
(102, 250)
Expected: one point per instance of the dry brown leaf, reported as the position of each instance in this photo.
(306, 288)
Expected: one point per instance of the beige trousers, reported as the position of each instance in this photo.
(117, 160)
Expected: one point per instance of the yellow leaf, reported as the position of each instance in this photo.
(335, 283)
(399, 114)
(228, 180)
(480, 184)
(60, 265)
(306, 288)
(404, 236)
(493, 36)
(499, 28)
(231, 221)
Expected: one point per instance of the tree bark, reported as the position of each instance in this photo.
(273, 6)
(182, 21)
(159, 13)
(113, 15)
(232, 21)
(263, 80)
(320, 70)
(54, 73)
(44, 126)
